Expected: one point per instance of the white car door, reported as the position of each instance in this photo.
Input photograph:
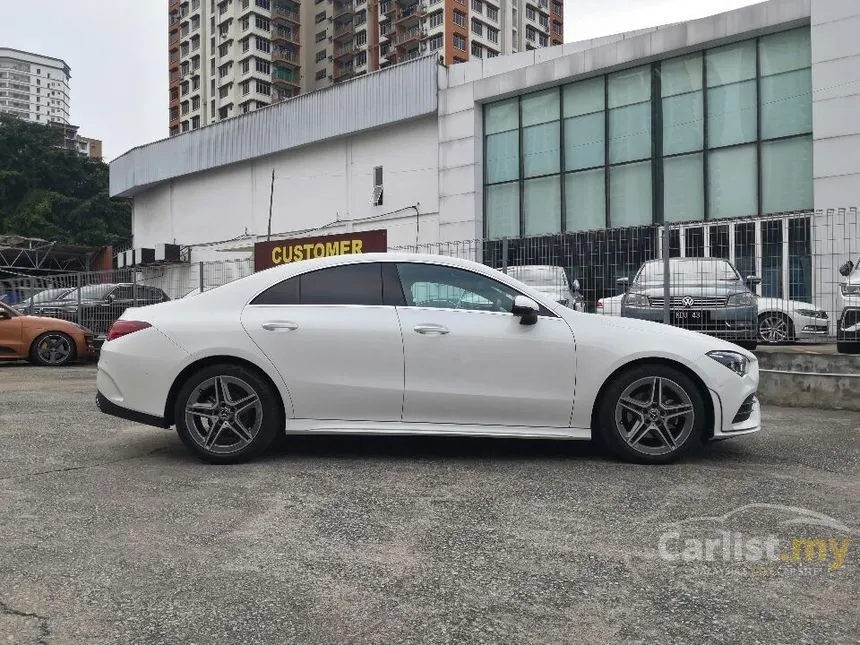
(337, 346)
(470, 361)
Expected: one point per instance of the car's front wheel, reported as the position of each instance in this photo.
(652, 414)
(227, 414)
(52, 349)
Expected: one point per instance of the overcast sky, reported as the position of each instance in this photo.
(117, 50)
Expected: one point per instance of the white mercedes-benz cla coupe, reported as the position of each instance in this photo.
(413, 344)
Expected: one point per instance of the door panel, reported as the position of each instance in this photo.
(338, 361)
(477, 367)
(11, 337)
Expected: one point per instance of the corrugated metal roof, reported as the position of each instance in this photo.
(395, 94)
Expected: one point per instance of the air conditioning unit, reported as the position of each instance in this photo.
(128, 260)
(144, 256)
(166, 253)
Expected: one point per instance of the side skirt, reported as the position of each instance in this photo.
(317, 426)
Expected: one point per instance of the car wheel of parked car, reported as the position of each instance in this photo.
(52, 349)
(848, 348)
(652, 414)
(227, 414)
(775, 327)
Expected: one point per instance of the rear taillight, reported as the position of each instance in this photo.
(126, 327)
(600, 304)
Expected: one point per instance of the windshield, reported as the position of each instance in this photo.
(92, 292)
(539, 275)
(4, 308)
(695, 270)
(49, 294)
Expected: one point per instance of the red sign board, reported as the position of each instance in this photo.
(276, 253)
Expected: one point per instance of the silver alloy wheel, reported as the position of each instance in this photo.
(54, 349)
(223, 415)
(773, 328)
(654, 415)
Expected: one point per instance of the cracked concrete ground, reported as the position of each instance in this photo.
(111, 533)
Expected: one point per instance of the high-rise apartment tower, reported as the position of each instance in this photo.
(229, 57)
(34, 87)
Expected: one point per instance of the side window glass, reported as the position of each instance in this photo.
(352, 284)
(428, 285)
(122, 293)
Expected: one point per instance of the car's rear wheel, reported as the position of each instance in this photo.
(775, 327)
(52, 349)
(227, 414)
(652, 414)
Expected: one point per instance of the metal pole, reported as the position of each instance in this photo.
(200, 264)
(80, 286)
(134, 287)
(505, 255)
(666, 276)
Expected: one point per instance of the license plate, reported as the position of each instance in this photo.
(687, 315)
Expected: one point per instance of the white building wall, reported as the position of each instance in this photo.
(320, 189)
(836, 139)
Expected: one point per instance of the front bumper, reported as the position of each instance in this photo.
(730, 323)
(848, 325)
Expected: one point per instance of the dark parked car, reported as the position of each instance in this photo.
(97, 306)
(29, 305)
(707, 295)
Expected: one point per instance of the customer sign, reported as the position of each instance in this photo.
(275, 253)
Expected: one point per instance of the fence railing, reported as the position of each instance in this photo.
(764, 279)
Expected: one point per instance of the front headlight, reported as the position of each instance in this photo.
(636, 300)
(741, 300)
(850, 289)
(736, 362)
(812, 313)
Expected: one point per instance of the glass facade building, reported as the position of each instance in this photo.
(707, 141)
(721, 133)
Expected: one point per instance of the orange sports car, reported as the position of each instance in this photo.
(43, 341)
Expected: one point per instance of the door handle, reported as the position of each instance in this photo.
(280, 325)
(431, 330)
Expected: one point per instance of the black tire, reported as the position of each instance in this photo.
(789, 326)
(249, 439)
(688, 432)
(42, 347)
(844, 347)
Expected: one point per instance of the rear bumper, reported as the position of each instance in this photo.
(106, 406)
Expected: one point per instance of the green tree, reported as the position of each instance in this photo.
(55, 194)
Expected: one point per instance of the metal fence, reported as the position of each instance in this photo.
(699, 275)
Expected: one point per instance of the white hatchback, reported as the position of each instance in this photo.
(414, 344)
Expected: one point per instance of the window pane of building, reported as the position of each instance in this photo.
(541, 149)
(681, 75)
(542, 205)
(503, 157)
(771, 260)
(540, 107)
(502, 116)
(732, 114)
(683, 123)
(731, 64)
(630, 195)
(732, 179)
(584, 142)
(585, 200)
(584, 97)
(786, 104)
(683, 188)
(785, 51)
(630, 133)
(786, 175)
(630, 86)
(503, 210)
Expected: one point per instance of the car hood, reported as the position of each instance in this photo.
(650, 335)
(54, 323)
(655, 289)
(786, 305)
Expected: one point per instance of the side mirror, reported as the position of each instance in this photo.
(753, 280)
(527, 309)
(575, 285)
(110, 299)
(624, 284)
(846, 269)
